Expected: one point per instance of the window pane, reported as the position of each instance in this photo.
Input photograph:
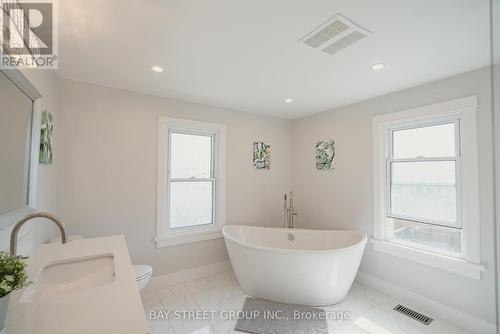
(429, 236)
(190, 156)
(425, 190)
(429, 142)
(190, 204)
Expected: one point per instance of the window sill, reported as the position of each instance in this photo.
(187, 237)
(448, 263)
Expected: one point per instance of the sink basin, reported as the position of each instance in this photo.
(70, 276)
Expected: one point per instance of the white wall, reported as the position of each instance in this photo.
(343, 199)
(496, 86)
(495, 6)
(107, 175)
(40, 231)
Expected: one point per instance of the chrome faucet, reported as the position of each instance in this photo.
(19, 224)
(289, 211)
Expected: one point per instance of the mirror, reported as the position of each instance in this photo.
(18, 149)
(16, 116)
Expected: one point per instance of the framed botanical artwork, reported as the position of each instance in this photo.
(261, 155)
(325, 154)
(46, 129)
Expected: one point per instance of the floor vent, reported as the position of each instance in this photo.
(335, 34)
(413, 314)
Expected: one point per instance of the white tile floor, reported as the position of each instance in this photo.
(371, 310)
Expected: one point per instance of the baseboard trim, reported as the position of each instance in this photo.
(431, 307)
(188, 275)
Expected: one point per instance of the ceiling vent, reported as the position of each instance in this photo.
(335, 34)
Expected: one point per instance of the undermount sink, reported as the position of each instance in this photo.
(70, 276)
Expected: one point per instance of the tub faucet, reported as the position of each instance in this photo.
(19, 224)
(289, 210)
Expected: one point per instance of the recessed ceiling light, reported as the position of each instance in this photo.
(288, 100)
(378, 67)
(157, 69)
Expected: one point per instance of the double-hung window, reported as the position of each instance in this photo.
(190, 181)
(426, 185)
(423, 185)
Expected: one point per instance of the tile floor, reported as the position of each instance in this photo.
(371, 311)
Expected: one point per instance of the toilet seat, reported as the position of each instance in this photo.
(142, 272)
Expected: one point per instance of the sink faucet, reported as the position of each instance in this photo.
(289, 211)
(19, 224)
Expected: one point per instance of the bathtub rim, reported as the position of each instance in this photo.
(363, 241)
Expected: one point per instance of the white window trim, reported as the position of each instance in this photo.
(164, 235)
(466, 110)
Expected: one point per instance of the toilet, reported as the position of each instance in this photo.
(142, 272)
(143, 275)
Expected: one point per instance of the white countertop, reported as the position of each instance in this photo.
(115, 307)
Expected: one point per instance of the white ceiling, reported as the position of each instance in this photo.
(244, 54)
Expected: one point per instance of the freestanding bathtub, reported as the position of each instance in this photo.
(296, 266)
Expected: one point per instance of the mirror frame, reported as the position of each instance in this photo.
(17, 77)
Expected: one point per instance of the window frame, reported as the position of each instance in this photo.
(464, 110)
(165, 235)
(433, 121)
(211, 179)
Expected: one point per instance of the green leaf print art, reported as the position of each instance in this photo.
(325, 154)
(46, 129)
(261, 155)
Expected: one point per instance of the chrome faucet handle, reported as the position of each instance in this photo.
(19, 224)
(291, 212)
(285, 208)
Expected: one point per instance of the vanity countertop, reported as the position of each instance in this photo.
(109, 303)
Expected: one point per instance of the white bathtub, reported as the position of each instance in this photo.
(316, 267)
